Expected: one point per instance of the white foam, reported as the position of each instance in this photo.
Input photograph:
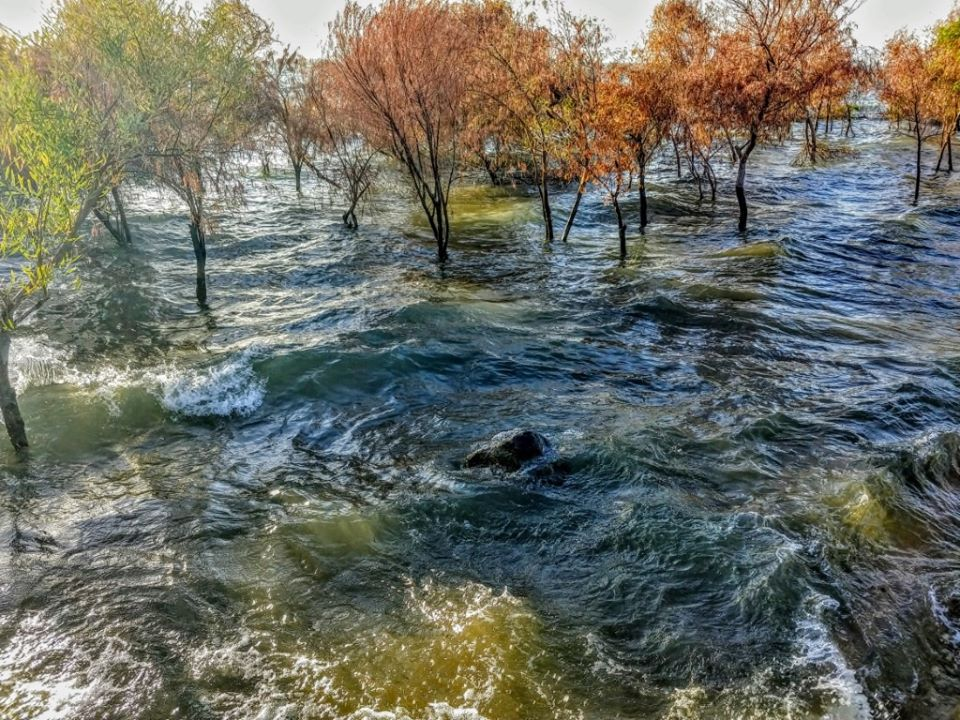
(230, 387)
(435, 711)
(816, 647)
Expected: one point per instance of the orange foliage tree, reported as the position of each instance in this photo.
(679, 48)
(945, 64)
(579, 64)
(762, 69)
(908, 90)
(401, 66)
(284, 97)
(346, 160)
(517, 80)
(614, 150)
(829, 81)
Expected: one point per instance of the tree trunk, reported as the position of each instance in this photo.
(676, 152)
(199, 239)
(350, 217)
(743, 154)
(811, 141)
(121, 230)
(108, 224)
(443, 229)
(297, 170)
(121, 215)
(488, 166)
(643, 203)
(916, 185)
(9, 407)
(581, 186)
(742, 197)
(949, 153)
(621, 228)
(545, 201)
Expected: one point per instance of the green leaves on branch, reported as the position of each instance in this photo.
(47, 172)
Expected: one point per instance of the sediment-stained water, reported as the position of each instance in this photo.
(258, 510)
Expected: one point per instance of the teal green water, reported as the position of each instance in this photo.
(258, 510)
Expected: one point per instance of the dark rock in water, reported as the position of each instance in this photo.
(511, 450)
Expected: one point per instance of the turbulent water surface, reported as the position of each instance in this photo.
(259, 510)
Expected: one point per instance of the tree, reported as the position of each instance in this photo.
(651, 118)
(95, 52)
(761, 69)
(402, 67)
(519, 77)
(284, 94)
(614, 149)
(830, 77)
(202, 104)
(908, 90)
(579, 63)
(46, 175)
(945, 65)
(347, 161)
(680, 48)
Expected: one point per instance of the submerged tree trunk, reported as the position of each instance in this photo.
(743, 154)
(581, 186)
(642, 182)
(297, 172)
(491, 171)
(199, 239)
(742, 196)
(443, 229)
(119, 229)
(121, 215)
(643, 205)
(544, 190)
(621, 227)
(811, 137)
(711, 178)
(916, 185)
(350, 216)
(946, 151)
(105, 220)
(9, 407)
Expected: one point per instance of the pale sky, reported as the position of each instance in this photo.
(302, 23)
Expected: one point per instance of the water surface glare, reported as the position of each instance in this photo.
(259, 511)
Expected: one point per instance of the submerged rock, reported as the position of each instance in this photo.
(511, 450)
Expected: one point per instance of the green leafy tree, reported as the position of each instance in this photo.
(203, 109)
(45, 194)
(107, 57)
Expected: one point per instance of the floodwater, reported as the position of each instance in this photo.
(258, 511)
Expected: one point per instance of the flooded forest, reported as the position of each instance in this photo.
(476, 370)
